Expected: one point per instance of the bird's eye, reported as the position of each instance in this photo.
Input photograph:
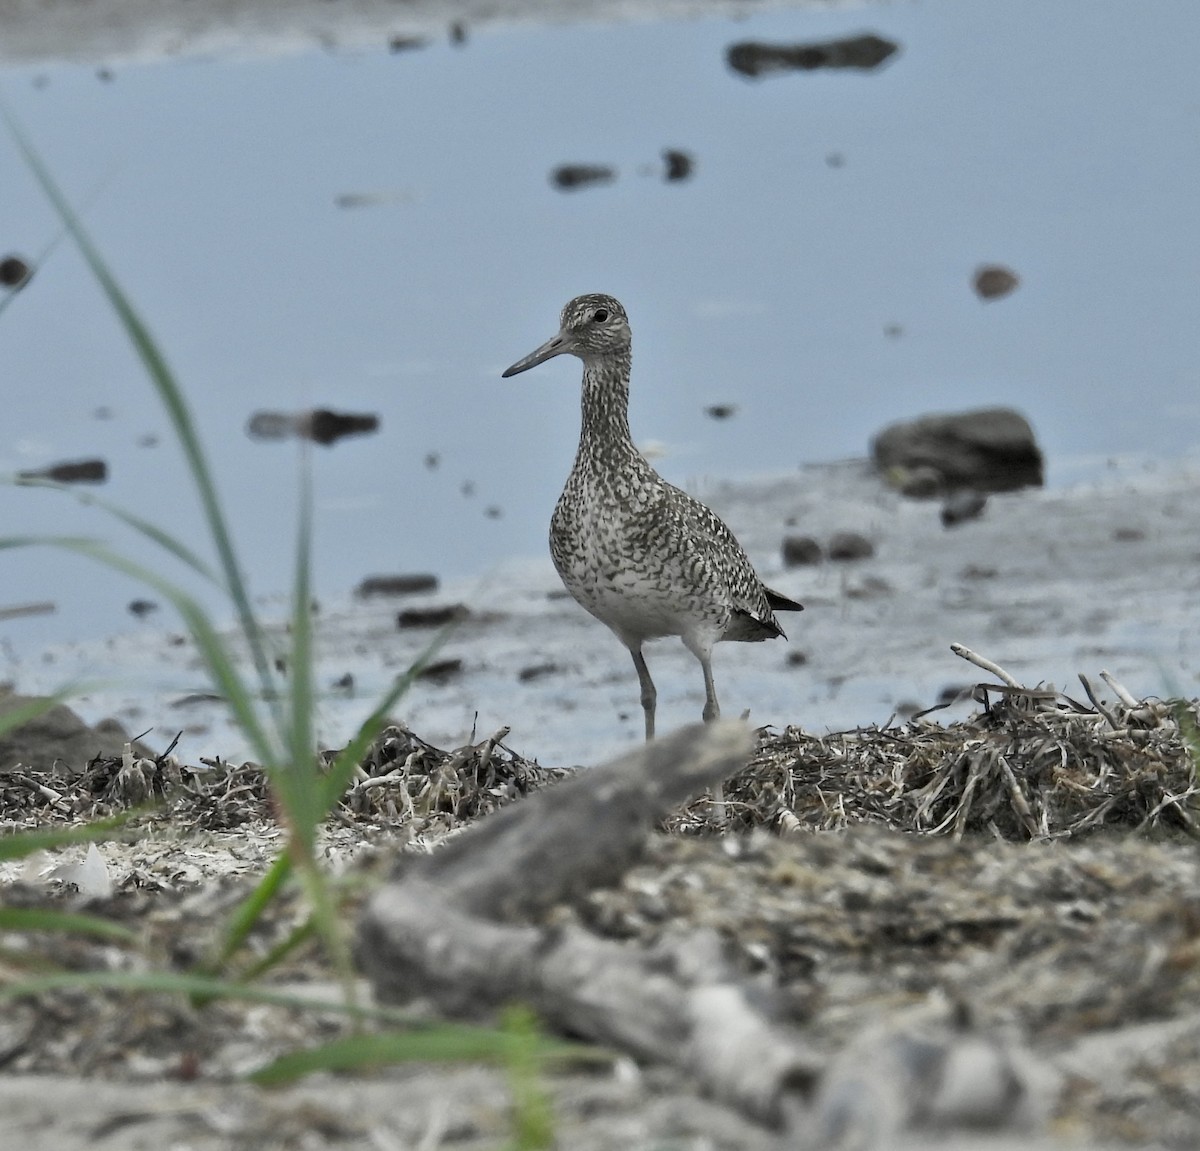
(600, 315)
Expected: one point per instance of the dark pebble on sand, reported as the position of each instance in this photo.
(431, 616)
(799, 551)
(845, 546)
(382, 585)
(441, 671)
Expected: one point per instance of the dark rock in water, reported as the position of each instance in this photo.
(994, 281)
(142, 607)
(961, 506)
(15, 272)
(845, 546)
(321, 425)
(753, 58)
(75, 472)
(679, 165)
(569, 177)
(990, 450)
(58, 737)
(537, 671)
(801, 550)
(721, 411)
(442, 671)
(396, 585)
(431, 616)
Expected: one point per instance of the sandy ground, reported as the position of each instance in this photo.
(1080, 952)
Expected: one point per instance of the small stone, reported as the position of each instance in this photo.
(994, 281)
(15, 271)
(431, 616)
(384, 585)
(679, 165)
(799, 551)
(846, 546)
(442, 671)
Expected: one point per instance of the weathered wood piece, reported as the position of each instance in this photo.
(438, 931)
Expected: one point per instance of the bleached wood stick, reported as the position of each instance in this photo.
(964, 652)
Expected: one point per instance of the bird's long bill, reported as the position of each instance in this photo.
(551, 348)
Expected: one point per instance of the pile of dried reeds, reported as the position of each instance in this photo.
(1033, 763)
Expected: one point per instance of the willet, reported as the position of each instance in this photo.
(642, 556)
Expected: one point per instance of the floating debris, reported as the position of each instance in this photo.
(679, 165)
(754, 58)
(347, 200)
(569, 177)
(994, 281)
(72, 472)
(21, 610)
(15, 272)
(320, 425)
(407, 584)
(405, 43)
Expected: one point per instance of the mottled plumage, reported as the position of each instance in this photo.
(642, 556)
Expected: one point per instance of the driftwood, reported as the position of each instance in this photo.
(463, 929)
(443, 930)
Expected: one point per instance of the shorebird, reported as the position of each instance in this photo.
(642, 556)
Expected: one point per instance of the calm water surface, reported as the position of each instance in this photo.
(814, 272)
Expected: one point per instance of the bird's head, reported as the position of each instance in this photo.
(590, 327)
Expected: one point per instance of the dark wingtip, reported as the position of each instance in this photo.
(779, 602)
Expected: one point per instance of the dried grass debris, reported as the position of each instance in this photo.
(1033, 764)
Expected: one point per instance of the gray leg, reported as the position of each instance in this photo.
(649, 695)
(712, 710)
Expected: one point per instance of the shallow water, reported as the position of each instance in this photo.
(815, 271)
(1047, 584)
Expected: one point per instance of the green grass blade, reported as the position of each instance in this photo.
(68, 922)
(337, 779)
(440, 1044)
(209, 644)
(248, 912)
(296, 938)
(20, 844)
(170, 394)
(151, 531)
